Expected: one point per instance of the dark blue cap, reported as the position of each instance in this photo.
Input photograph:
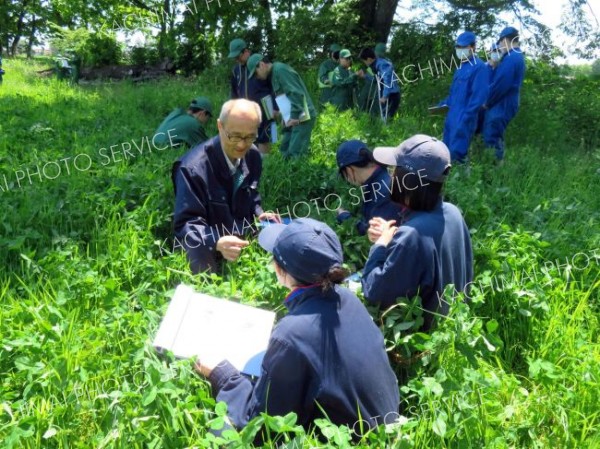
(350, 153)
(307, 249)
(508, 31)
(465, 39)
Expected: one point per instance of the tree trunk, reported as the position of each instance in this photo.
(376, 18)
(31, 37)
(18, 34)
(267, 23)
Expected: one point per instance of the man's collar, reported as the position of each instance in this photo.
(231, 165)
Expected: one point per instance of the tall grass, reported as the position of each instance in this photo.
(88, 267)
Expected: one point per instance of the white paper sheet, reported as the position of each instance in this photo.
(212, 329)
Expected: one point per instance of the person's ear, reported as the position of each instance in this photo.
(219, 125)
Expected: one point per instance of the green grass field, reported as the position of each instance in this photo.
(88, 268)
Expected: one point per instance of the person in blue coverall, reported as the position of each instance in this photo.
(468, 94)
(432, 248)
(503, 101)
(494, 56)
(387, 80)
(326, 357)
(253, 89)
(356, 164)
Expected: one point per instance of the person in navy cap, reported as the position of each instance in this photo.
(468, 94)
(326, 357)
(504, 97)
(432, 248)
(356, 164)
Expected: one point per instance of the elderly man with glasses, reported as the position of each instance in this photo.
(216, 190)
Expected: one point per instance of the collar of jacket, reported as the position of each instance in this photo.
(296, 296)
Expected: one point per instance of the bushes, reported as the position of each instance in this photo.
(95, 49)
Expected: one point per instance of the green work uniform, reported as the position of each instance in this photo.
(343, 83)
(325, 71)
(180, 128)
(296, 139)
(367, 95)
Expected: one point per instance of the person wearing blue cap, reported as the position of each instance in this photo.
(387, 82)
(326, 357)
(432, 248)
(504, 97)
(356, 164)
(468, 94)
(494, 55)
(254, 89)
(302, 113)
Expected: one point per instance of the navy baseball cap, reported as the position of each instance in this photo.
(507, 32)
(418, 153)
(307, 249)
(352, 151)
(465, 39)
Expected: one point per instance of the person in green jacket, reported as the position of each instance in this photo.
(300, 120)
(182, 127)
(343, 83)
(325, 71)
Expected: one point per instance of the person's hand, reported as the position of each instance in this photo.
(292, 122)
(376, 228)
(231, 246)
(360, 73)
(276, 114)
(387, 232)
(383, 100)
(205, 366)
(270, 216)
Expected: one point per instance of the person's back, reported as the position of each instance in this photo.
(286, 80)
(179, 128)
(328, 336)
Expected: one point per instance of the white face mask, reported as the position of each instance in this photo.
(495, 56)
(463, 53)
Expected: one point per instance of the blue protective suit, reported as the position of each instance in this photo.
(503, 101)
(468, 93)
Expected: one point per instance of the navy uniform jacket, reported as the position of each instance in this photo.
(468, 93)
(375, 197)
(205, 206)
(250, 88)
(428, 252)
(327, 351)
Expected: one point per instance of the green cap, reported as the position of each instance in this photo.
(236, 46)
(380, 49)
(202, 103)
(334, 47)
(345, 53)
(252, 63)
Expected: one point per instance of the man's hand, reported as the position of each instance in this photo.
(270, 216)
(383, 100)
(376, 227)
(360, 73)
(292, 122)
(231, 246)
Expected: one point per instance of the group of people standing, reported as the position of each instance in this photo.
(326, 357)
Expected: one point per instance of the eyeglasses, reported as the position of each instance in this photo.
(238, 139)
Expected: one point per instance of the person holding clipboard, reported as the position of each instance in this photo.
(326, 357)
(295, 105)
